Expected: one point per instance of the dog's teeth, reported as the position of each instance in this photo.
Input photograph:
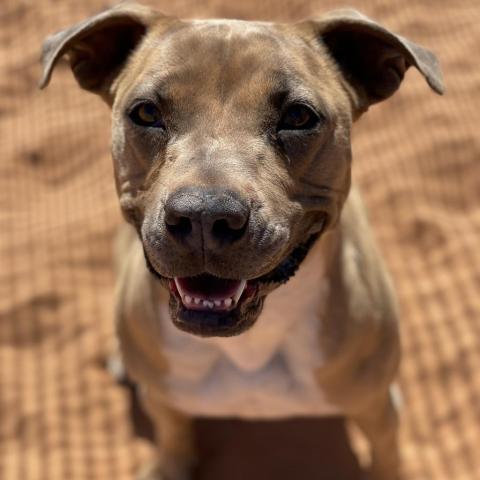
(179, 288)
(217, 303)
(228, 302)
(240, 290)
(196, 300)
(188, 299)
(208, 304)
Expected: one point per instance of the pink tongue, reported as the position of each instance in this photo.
(208, 286)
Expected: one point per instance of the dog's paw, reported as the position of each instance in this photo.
(157, 471)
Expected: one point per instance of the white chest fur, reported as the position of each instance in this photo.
(266, 372)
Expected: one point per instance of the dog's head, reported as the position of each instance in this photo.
(231, 140)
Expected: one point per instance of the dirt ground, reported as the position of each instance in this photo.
(417, 160)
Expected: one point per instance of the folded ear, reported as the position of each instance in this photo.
(373, 59)
(98, 47)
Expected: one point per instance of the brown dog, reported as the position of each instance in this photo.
(231, 145)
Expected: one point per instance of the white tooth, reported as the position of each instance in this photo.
(196, 300)
(177, 283)
(228, 302)
(188, 299)
(217, 303)
(240, 290)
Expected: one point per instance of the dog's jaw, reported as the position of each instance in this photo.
(248, 296)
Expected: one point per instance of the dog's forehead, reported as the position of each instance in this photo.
(219, 45)
(223, 55)
(240, 27)
(224, 36)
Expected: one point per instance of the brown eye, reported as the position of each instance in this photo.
(298, 117)
(146, 115)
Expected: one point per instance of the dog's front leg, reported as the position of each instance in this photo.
(174, 439)
(379, 423)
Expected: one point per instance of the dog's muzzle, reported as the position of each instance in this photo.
(211, 243)
(207, 305)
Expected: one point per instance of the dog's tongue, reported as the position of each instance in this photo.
(207, 292)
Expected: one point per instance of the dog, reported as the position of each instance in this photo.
(250, 285)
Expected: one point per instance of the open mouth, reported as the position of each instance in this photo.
(209, 293)
(208, 305)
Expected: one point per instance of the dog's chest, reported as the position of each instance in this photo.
(266, 372)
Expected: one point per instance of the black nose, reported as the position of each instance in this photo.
(206, 218)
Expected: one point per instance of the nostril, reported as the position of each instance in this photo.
(205, 218)
(179, 226)
(226, 231)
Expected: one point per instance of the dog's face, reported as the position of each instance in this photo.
(227, 159)
(231, 141)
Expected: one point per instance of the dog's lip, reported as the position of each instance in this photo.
(207, 292)
(210, 323)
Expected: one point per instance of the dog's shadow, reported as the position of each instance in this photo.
(299, 449)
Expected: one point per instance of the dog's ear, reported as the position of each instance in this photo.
(98, 47)
(372, 59)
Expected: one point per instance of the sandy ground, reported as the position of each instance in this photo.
(417, 161)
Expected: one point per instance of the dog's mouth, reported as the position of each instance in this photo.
(208, 305)
(207, 293)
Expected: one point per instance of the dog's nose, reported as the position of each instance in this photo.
(206, 218)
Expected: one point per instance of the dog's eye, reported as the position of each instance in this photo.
(298, 117)
(146, 115)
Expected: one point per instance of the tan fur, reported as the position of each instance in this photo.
(327, 341)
